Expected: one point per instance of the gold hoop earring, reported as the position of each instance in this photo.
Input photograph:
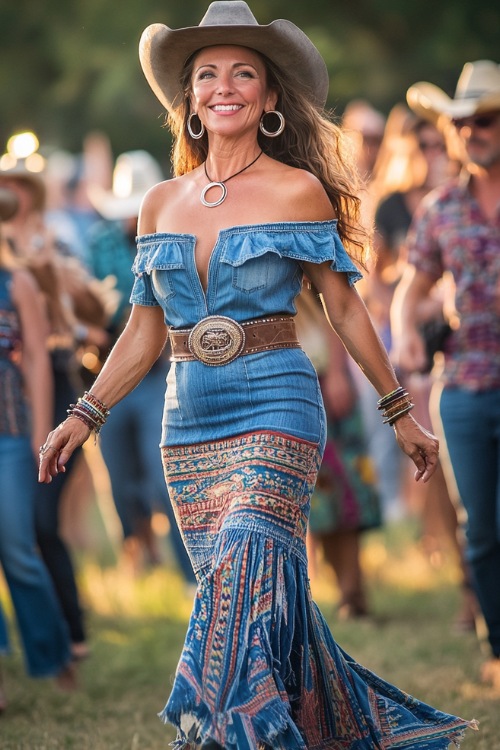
(272, 133)
(190, 130)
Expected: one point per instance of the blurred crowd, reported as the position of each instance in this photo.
(67, 244)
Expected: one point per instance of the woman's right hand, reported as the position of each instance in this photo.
(55, 453)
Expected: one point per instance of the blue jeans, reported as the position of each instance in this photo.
(42, 627)
(52, 546)
(130, 448)
(471, 424)
(4, 638)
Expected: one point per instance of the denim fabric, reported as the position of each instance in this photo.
(48, 497)
(241, 445)
(129, 445)
(254, 271)
(276, 390)
(4, 636)
(471, 424)
(259, 667)
(43, 630)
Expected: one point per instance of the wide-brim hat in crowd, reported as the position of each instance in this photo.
(478, 90)
(164, 52)
(33, 180)
(135, 172)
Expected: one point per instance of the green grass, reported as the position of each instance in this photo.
(137, 626)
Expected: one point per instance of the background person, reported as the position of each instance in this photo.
(345, 502)
(70, 304)
(244, 426)
(25, 412)
(413, 160)
(129, 444)
(457, 232)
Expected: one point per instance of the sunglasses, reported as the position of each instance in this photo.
(434, 146)
(483, 122)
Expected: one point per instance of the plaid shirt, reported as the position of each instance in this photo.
(450, 233)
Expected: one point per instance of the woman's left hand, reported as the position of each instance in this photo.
(58, 447)
(419, 444)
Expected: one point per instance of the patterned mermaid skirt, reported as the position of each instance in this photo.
(260, 669)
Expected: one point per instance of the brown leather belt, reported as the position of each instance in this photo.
(217, 340)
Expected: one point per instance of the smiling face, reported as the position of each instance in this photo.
(229, 89)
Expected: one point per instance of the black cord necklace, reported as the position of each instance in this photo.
(221, 184)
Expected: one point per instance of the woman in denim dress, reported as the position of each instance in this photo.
(261, 197)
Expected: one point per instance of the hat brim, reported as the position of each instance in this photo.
(163, 52)
(431, 102)
(34, 180)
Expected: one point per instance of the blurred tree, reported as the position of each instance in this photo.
(68, 67)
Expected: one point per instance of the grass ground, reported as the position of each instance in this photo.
(137, 625)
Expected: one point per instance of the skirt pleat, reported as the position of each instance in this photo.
(260, 668)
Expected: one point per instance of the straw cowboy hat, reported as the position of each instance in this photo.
(134, 174)
(163, 51)
(478, 90)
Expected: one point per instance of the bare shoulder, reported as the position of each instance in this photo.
(303, 195)
(155, 198)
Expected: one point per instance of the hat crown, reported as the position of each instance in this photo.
(135, 173)
(228, 13)
(164, 51)
(477, 79)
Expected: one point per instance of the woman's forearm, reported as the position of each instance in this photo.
(349, 317)
(361, 340)
(133, 355)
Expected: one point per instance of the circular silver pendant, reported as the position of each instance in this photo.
(209, 187)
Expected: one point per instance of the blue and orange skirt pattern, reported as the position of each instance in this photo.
(260, 669)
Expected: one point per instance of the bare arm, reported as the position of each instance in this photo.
(337, 386)
(36, 367)
(350, 319)
(408, 344)
(133, 355)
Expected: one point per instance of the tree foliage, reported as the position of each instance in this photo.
(68, 67)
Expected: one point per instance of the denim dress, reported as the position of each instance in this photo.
(241, 446)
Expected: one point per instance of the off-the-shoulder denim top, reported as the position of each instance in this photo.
(254, 270)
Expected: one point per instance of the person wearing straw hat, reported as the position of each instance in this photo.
(457, 233)
(261, 197)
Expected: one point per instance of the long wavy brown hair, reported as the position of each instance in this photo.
(311, 140)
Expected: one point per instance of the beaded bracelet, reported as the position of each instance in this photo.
(91, 411)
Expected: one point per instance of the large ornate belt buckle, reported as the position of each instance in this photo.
(216, 340)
